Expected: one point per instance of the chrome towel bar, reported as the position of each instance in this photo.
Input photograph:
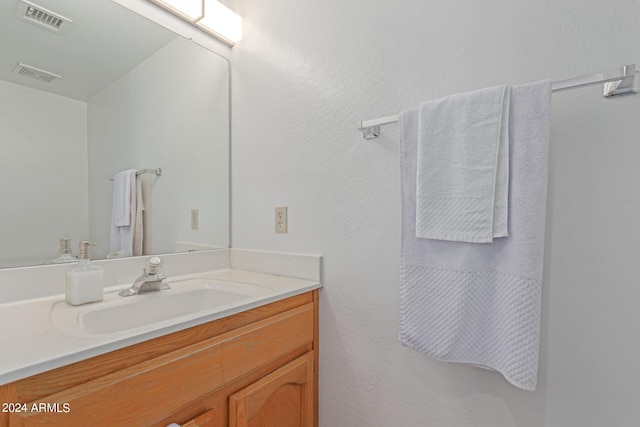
(157, 171)
(616, 82)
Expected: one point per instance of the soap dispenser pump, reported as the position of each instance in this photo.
(84, 280)
(65, 252)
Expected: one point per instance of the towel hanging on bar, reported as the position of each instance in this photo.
(479, 303)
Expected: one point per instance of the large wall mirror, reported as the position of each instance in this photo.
(104, 92)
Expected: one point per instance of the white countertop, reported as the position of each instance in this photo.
(32, 343)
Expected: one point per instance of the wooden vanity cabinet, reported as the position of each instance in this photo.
(256, 368)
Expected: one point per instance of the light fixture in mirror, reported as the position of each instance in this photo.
(132, 95)
(189, 9)
(210, 16)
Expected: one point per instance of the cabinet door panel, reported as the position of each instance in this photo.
(283, 398)
(205, 420)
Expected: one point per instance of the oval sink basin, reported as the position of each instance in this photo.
(186, 298)
(152, 308)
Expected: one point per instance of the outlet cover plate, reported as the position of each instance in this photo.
(281, 219)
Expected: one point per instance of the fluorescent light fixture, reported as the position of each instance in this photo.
(210, 16)
(221, 21)
(187, 9)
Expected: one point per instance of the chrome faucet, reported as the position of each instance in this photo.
(150, 281)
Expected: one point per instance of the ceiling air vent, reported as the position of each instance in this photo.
(35, 73)
(40, 16)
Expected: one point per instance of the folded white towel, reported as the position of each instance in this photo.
(136, 217)
(463, 160)
(126, 216)
(480, 304)
(121, 209)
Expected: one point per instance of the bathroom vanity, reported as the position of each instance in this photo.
(248, 362)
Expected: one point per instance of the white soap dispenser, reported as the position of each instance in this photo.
(84, 280)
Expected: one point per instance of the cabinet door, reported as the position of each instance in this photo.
(204, 420)
(283, 398)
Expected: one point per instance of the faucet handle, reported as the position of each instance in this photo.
(154, 264)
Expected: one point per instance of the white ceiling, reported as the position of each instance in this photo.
(104, 41)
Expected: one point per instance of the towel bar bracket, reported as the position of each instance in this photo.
(371, 128)
(369, 132)
(629, 84)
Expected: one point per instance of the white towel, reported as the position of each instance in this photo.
(126, 216)
(480, 303)
(463, 161)
(121, 212)
(138, 226)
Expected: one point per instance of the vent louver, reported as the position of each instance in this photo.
(40, 16)
(35, 73)
(43, 18)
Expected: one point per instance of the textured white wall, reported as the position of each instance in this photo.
(306, 71)
(43, 152)
(171, 111)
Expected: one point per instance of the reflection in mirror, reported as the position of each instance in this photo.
(120, 92)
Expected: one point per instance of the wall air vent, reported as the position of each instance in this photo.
(35, 73)
(40, 16)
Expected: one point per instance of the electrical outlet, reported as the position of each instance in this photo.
(281, 219)
(195, 219)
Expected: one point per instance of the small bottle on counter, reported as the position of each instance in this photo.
(65, 252)
(84, 280)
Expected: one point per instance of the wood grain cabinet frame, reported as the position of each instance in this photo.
(256, 368)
